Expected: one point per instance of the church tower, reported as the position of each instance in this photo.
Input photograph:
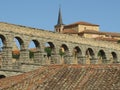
(59, 27)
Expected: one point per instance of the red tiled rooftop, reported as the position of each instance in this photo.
(70, 31)
(107, 39)
(113, 34)
(82, 23)
(66, 77)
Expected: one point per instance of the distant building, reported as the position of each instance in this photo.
(85, 30)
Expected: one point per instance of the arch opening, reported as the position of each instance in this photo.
(77, 51)
(90, 53)
(101, 56)
(64, 50)
(19, 42)
(2, 44)
(33, 47)
(17, 45)
(114, 57)
(49, 48)
(2, 76)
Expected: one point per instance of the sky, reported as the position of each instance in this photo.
(43, 14)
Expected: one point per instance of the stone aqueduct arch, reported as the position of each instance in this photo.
(84, 48)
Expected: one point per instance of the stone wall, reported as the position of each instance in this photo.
(25, 34)
(28, 31)
(85, 27)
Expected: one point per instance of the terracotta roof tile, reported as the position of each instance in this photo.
(70, 31)
(113, 34)
(66, 77)
(107, 39)
(82, 23)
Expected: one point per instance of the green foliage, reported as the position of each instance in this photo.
(118, 41)
(15, 56)
(31, 54)
(48, 50)
(61, 52)
(99, 54)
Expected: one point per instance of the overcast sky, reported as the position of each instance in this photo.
(43, 14)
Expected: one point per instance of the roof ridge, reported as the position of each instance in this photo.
(82, 23)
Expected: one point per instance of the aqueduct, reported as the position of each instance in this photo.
(76, 50)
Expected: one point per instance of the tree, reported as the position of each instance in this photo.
(15, 54)
(31, 54)
(61, 52)
(118, 41)
(48, 50)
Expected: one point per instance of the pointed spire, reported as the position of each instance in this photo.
(59, 18)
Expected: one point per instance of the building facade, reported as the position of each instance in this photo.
(85, 30)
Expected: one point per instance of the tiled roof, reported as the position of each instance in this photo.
(101, 33)
(82, 23)
(70, 31)
(112, 34)
(107, 39)
(66, 77)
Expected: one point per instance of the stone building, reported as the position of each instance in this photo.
(85, 30)
(77, 48)
(75, 62)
